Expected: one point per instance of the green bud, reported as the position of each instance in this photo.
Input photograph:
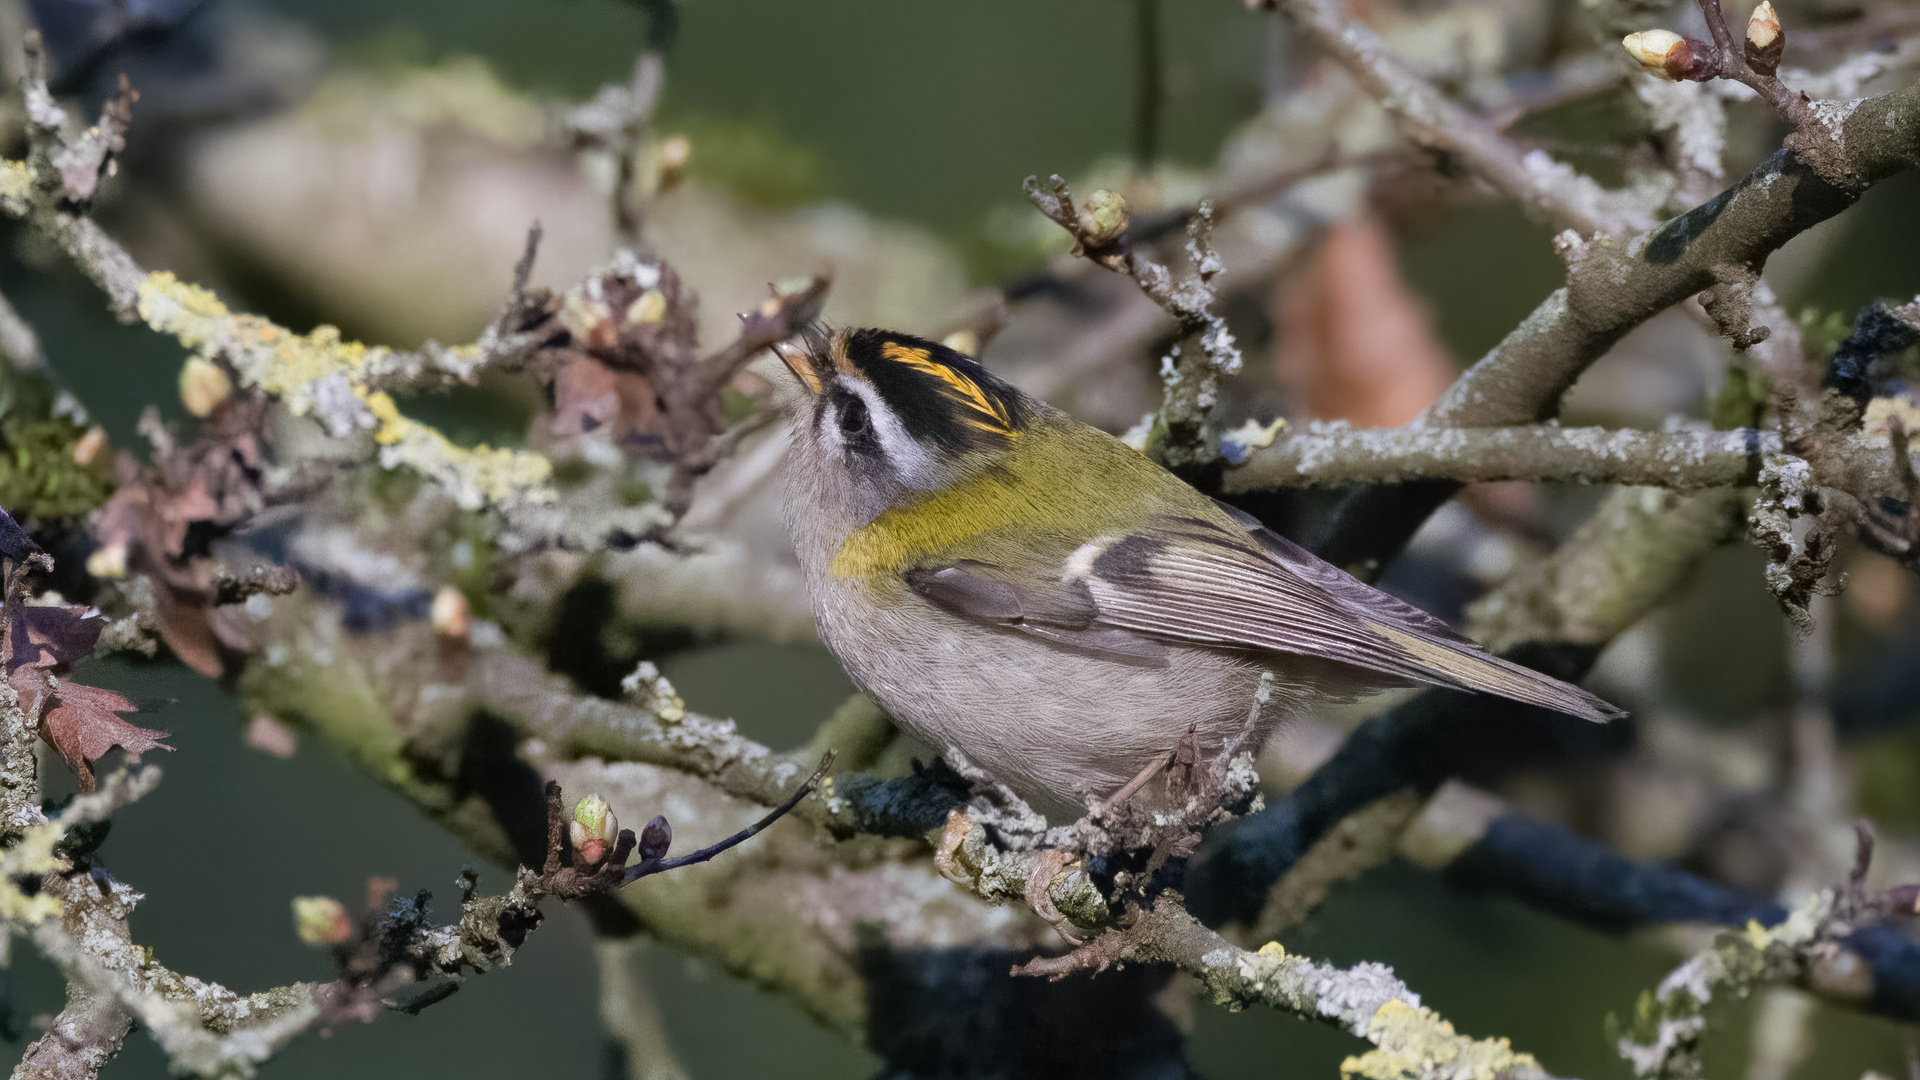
(593, 828)
(321, 920)
(1103, 218)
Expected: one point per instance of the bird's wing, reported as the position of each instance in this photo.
(1232, 584)
(1059, 611)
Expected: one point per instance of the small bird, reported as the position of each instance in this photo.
(1032, 592)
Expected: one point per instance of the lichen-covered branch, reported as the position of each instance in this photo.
(79, 921)
(652, 725)
(1628, 558)
(56, 182)
(19, 345)
(1184, 434)
(1366, 1000)
(1615, 285)
(317, 373)
(1333, 453)
(1569, 199)
(1621, 563)
(1817, 946)
(1140, 921)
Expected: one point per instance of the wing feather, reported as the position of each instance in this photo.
(1225, 583)
(1195, 581)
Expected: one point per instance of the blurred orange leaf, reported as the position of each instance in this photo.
(1354, 342)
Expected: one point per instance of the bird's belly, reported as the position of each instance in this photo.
(1057, 725)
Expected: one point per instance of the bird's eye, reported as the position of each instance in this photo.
(852, 417)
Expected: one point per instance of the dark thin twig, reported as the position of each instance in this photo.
(655, 866)
(523, 269)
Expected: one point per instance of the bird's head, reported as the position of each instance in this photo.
(884, 417)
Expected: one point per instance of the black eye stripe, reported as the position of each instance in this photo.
(850, 413)
(853, 422)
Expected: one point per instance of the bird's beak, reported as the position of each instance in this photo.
(798, 362)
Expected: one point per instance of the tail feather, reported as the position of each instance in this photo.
(1463, 665)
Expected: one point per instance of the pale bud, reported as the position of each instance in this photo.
(964, 342)
(203, 386)
(651, 307)
(1766, 40)
(450, 614)
(674, 155)
(1669, 56)
(1649, 49)
(1103, 218)
(90, 445)
(321, 920)
(109, 561)
(593, 828)
(586, 319)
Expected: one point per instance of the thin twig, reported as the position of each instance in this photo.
(655, 866)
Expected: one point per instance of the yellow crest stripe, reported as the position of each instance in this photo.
(959, 387)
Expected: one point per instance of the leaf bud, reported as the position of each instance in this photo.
(1103, 218)
(650, 307)
(450, 614)
(655, 839)
(1766, 40)
(593, 828)
(89, 445)
(1669, 56)
(964, 342)
(203, 386)
(108, 561)
(321, 920)
(675, 152)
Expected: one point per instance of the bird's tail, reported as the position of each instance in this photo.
(1462, 664)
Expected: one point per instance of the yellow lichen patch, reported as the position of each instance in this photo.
(294, 367)
(16, 180)
(474, 477)
(32, 856)
(1411, 1040)
(18, 907)
(1883, 411)
(287, 365)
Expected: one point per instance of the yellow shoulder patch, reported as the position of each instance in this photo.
(992, 415)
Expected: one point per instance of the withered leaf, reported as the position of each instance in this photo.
(15, 544)
(1355, 343)
(83, 726)
(30, 686)
(588, 395)
(53, 638)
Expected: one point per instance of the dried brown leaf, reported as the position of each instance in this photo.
(83, 724)
(1354, 342)
(51, 638)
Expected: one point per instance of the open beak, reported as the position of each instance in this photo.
(798, 362)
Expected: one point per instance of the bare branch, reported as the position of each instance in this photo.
(19, 345)
(1332, 453)
(1614, 287)
(1366, 1000)
(1565, 197)
(1184, 432)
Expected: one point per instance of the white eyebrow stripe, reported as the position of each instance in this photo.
(908, 459)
